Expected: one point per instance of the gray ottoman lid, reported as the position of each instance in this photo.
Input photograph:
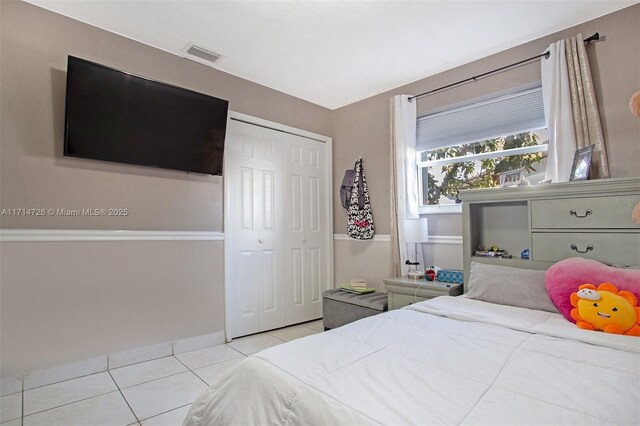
(377, 301)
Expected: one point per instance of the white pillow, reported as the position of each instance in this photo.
(523, 288)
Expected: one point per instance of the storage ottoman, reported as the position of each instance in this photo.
(342, 307)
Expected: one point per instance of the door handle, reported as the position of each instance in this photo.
(304, 241)
(260, 241)
(575, 248)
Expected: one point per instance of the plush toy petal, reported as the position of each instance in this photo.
(633, 331)
(608, 287)
(613, 329)
(630, 297)
(575, 315)
(574, 302)
(585, 325)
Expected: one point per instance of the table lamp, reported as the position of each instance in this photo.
(415, 231)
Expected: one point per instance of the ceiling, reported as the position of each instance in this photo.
(333, 53)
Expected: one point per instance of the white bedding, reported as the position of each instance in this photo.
(449, 360)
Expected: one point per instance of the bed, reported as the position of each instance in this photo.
(449, 360)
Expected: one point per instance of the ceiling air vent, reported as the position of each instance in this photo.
(200, 54)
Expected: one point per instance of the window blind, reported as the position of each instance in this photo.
(501, 116)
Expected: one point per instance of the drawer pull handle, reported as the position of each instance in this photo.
(573, 212)
(575, 248)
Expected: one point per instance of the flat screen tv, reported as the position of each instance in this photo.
(117, 116)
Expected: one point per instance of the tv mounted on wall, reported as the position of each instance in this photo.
(116, 116)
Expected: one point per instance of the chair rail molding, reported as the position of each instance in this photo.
(34, 235)
(444, 239)
(383, 238)
(378, 238)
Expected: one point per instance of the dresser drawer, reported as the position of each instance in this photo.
(615, 248)
(397, 300)
(580, 213)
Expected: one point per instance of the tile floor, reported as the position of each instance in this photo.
(157, 392)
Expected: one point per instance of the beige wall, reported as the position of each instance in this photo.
(61, 302)
(362, 128)
(367, 259)
(66, 301)
(34, 45)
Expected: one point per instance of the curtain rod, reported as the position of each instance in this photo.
(587, 40)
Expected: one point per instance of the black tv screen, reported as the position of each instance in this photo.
(116, 116)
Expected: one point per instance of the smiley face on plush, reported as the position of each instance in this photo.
(606, 309)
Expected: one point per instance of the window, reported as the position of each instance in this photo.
(469, 147)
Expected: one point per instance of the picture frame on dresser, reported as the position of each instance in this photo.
(511, 178)
(581, 163)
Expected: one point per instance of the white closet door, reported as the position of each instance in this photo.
(306, 229)
(253, 229)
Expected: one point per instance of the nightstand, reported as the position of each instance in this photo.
(403, 291)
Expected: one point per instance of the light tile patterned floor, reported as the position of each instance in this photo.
(157, 392)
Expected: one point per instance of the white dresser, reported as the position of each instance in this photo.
(591, 219)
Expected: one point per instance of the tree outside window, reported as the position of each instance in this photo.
(445, 176)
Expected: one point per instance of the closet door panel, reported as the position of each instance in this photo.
(247, 283)
(315, 269)
(296, 205)
(243, 289)
(305, 244)
(270, 233)
(316, 231)
(297, 276)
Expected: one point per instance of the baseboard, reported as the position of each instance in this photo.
(198, 342)
(141, 354)
(102, 363)
(63, 372)
(9, 385)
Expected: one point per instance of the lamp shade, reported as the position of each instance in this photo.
(415, 230)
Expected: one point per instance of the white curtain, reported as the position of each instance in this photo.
(571, 110)
(404, 177)
(556, 95)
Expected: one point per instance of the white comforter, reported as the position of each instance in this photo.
(450, 360)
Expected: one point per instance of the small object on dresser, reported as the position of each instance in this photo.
(450, 276)
(358, 283)
(357, 290)
(430, 274)
(494, 251)
(524, 254)
(414, 274)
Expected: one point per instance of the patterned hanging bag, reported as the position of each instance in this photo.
(360, 219)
